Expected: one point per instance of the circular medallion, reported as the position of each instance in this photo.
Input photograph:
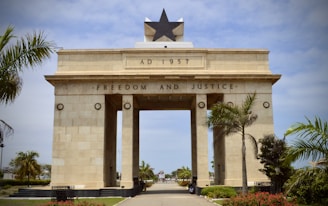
(127, 105)
(230, 104)
(97, 106)
(201, 104)
(60, 106)
(266, 104)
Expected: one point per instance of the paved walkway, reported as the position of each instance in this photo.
(166, 194)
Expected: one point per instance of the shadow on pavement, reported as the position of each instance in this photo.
(150, 192)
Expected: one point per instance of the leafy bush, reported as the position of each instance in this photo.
(6, 187)
(309, 186)
(24, 182)
(219, 192)
(260, 198)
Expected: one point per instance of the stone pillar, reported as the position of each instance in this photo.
(193, 142)
(127, 142)
(136, 143)
(110, 142)
(202, 141)
(78, 143)
(219, 156)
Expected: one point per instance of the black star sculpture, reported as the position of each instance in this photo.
(164, 27)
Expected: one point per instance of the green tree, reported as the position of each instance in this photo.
(145, 171)
(312, 141)
(272, 156)
(234, 119)
(309, 185)
(184, 173)
(26, 166)
(28, 51)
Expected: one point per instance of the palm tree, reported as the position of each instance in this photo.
(29, 51)
(312, 141)
(26, 165)
(184, 173)
(234, 119)
(145, 171)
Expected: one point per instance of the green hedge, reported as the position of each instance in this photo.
(24, 182)
(219, 192)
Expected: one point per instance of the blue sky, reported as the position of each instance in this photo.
(295, 32)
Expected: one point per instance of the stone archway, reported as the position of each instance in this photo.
(161, 73)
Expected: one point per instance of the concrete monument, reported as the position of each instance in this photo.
(161, 73)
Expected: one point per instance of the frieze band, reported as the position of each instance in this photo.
(162, 87)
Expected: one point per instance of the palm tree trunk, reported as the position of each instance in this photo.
(244, 169)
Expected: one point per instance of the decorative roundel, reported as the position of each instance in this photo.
(230, 104)
(127, 105)
(97, 106)
(266, 104)
(201, 104)
(60, 106)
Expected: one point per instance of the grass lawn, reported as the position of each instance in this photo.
(218, 201)
(26, 202)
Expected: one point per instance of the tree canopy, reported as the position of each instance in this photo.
(272, 156)
(25, 165)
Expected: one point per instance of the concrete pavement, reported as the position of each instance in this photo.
(166, 194)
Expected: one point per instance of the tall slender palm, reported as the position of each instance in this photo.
(234, 119)
(312, 141)
(26, 165)
(28, 51)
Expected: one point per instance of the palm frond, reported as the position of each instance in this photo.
(27, 52)
(303, 149)
(10, 86)
(254, 144)
(248, 103)
(311, 142)
(6, 37)
(310, 130)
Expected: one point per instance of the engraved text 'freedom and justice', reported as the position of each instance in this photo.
(162, 87)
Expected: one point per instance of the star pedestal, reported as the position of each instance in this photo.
(164, 45)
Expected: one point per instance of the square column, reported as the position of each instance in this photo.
(193, 141)
(202, 141)
(136, 143)
(127, 142)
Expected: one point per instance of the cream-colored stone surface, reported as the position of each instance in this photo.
(78, 141)
(127, 142)
(166, 61)
(92, 85)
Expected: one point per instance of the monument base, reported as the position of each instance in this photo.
(103, 192)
